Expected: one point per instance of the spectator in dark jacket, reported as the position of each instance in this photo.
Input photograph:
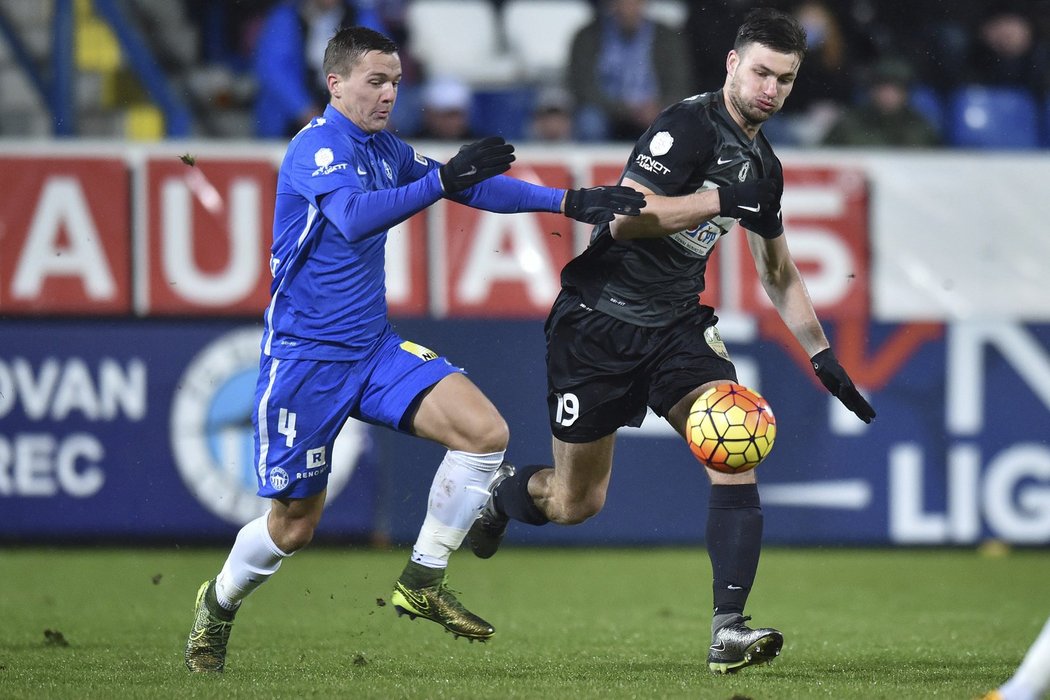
(885, 118)
(623, 69)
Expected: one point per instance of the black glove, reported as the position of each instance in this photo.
(747, 199)
(596, 205)
(476, 162)
(835, 379)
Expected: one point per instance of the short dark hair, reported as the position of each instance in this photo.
(773, 29)
(349, 44)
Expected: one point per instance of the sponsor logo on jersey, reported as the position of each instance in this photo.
(323, 158)
(425, 354)
(661, 143)
(315, 458)
(744, 170)
(651, 164)
(278, 479)
(699, 241)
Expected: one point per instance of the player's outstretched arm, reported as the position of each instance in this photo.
(475, 162)
(596, 205)
(833, 376)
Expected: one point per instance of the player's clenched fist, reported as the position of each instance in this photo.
(747, 199)
(475, 162)
(596, 205)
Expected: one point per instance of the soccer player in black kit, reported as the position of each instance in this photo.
(628, 329)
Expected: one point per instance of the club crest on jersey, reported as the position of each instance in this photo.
(661, 143)
(744, 170)
(278, 479)
(323, 158)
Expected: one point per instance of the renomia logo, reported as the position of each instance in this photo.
(211, 430)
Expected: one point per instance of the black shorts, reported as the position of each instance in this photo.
(603, 372)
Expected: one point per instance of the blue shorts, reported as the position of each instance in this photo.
(301, 405)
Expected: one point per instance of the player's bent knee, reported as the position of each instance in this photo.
(293, 534)
(492, 436)
(578, 511)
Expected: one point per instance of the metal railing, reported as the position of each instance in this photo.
(55, 86)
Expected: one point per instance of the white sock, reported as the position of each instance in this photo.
(253, 559)
(459, 492)
(1032, 678)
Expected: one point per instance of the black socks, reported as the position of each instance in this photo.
(734, 541)
(512, 498)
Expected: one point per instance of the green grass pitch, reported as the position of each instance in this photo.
(571, 623)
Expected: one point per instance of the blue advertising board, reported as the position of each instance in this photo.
(140, 429)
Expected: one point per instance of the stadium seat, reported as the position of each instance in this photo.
(1046, 123)
(928, 102)
(992, 117)
(502, 112)
(460, 38)
(540, 32)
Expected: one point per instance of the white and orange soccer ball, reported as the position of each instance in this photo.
(731, 428)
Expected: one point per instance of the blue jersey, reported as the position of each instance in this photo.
(339, 190)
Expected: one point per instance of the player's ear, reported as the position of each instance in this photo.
(732, 61)
(334, 88)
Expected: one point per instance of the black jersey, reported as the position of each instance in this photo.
(693, 145)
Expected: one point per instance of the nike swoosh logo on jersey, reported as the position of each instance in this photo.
(723, 161)
(361, 171)
(754, 209)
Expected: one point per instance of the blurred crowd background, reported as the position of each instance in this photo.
(891, 73)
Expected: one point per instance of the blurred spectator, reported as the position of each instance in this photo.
(1005, 51)
(288, 55)
(623, 70)
(824, 89)
(446, 110)
(552, 115)
(932, 39)
(885, 118)
(711, 30)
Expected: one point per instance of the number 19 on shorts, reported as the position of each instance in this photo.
(568, 409)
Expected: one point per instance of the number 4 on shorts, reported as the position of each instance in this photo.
(286, 426)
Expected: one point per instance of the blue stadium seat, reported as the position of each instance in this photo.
(993, 117)
(502, 111)
(1046, 123)
(927, 101)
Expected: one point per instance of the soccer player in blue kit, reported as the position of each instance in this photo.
(329, 353)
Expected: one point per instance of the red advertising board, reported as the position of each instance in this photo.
(503, 265)
(208, 234)
(65, 236)
(407, 292)
(199, 242)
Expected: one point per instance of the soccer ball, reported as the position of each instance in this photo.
(731, 428)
